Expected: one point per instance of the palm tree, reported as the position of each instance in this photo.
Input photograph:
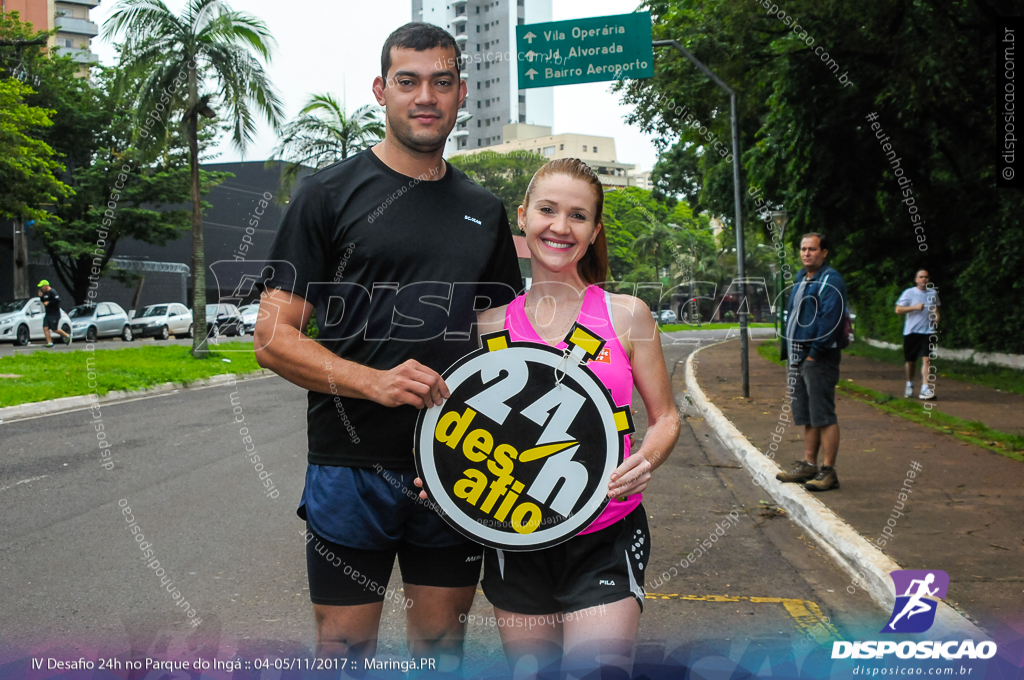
(658, 243)
(317, 142)
(216, 55)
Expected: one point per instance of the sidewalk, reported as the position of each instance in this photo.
(1003, 411)
(962, 516)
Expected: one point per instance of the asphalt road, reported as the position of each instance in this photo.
(72, 580)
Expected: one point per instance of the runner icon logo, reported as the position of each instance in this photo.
(914, 611)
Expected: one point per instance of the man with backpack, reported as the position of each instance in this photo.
(815, 335)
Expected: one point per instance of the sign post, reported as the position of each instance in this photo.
(611, 48)
(737, 197)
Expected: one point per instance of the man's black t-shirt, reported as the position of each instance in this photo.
(393, 267)
(51, 302)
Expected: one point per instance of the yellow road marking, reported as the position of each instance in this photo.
(807, 615)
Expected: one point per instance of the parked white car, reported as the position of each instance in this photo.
(162, 321)
(21, 320)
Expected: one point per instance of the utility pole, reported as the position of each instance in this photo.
(20, 279)
(740, 253)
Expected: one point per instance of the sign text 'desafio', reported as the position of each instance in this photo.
(520, 455)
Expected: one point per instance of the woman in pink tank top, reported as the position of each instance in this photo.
(549, 602)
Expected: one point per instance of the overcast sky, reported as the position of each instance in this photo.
(334, 46)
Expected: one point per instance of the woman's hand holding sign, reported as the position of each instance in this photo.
(410, 383)
(631, 477)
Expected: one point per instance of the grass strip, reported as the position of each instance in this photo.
(970, 431)
(997, 377)
(45, 375)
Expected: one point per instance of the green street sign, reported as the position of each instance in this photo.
(585, 50)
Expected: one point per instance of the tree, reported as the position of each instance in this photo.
(27, 165)
(109, 203)
(628, 214)
(505, 175)
(209, 58)
(83, 239)
(657, 245)
(806, 87)
(647, 229)
(316, 142)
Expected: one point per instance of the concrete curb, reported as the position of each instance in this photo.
(45, 408)
(862, 560)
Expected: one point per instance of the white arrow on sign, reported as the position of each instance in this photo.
(530, 55)
(529, 37)
(531, 73)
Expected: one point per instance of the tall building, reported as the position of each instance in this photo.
(71, 19)
(485, 31)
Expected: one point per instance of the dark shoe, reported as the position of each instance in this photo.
(67, 339)
(825, 480)
(801, 472)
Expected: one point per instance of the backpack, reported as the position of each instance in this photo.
(846, 337)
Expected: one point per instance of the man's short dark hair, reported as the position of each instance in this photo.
(419, 36)
(822, 242)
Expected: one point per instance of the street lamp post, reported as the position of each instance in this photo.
(780, 218)
(740, 270)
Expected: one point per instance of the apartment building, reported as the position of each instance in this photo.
(75, 30)
(597, 152)
(485, 31)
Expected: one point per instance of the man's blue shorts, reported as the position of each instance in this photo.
(359, 519)
(371, 510)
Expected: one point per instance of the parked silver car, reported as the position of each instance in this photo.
(103, 320)
(249, 315)
(162, 321)
(21, 320)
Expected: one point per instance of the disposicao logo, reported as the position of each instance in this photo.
(914, 611)
(918, 592)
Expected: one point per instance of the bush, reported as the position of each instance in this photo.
(312, 329)
(876, 316)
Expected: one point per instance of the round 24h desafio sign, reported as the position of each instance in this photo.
(520, 455)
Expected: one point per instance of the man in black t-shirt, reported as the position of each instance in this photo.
(51, 319)
(395, 250)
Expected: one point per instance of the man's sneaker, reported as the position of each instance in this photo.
(926, 392)
(825, 480)
(909, 392)
(67, 339)
(801, 472)
(49, 344)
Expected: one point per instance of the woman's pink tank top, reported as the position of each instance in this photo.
(611, 366)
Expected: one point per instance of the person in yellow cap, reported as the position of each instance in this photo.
(51, 301)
